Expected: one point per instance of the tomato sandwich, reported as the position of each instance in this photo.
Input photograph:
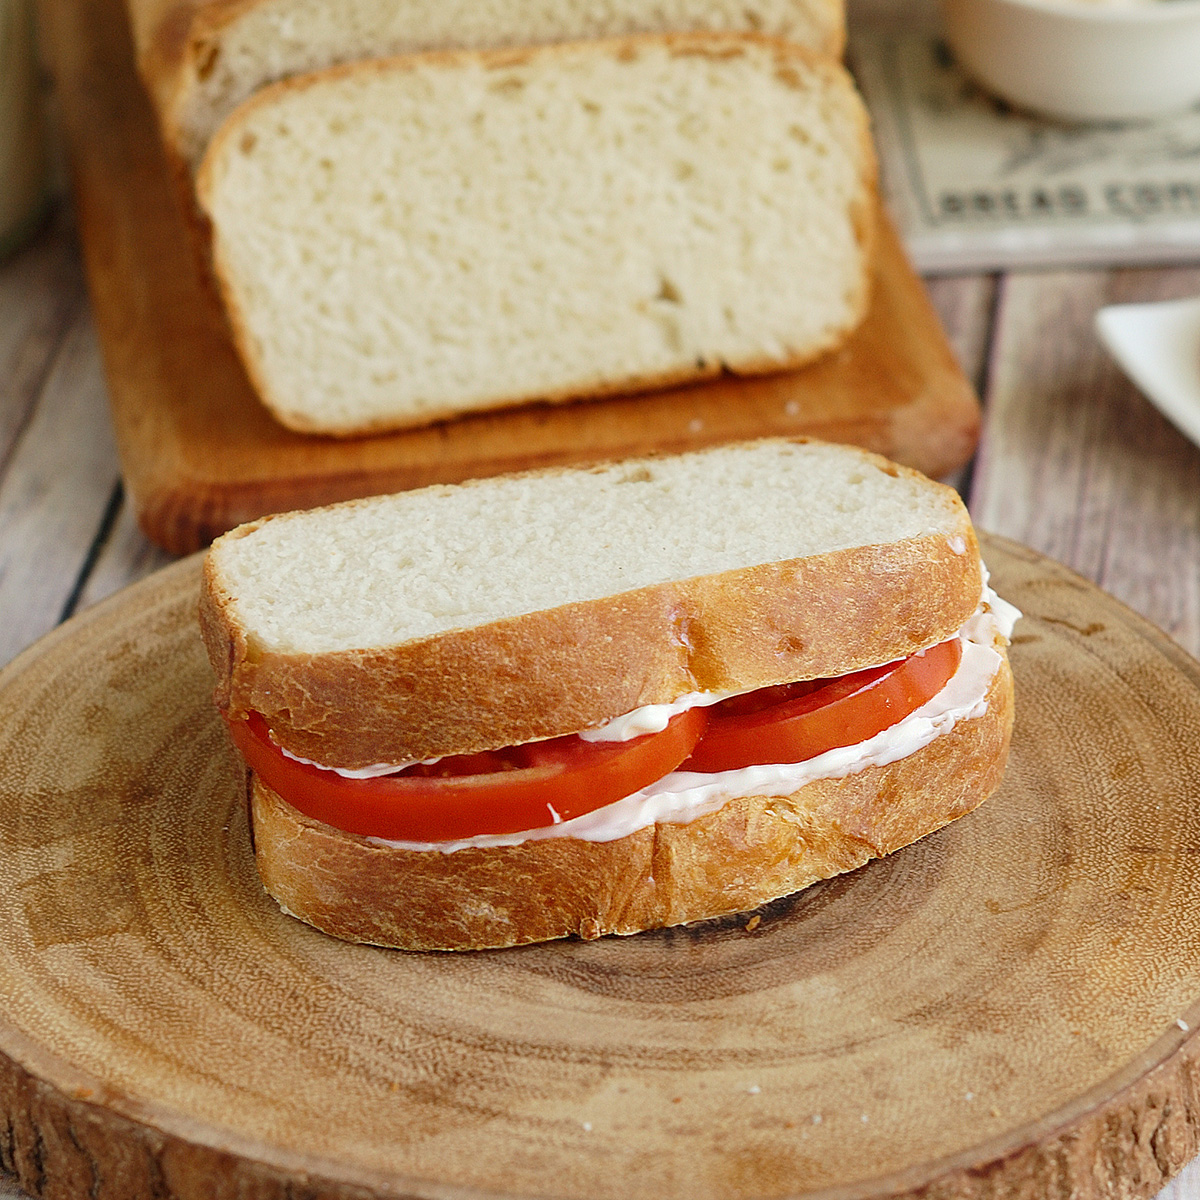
(606, 699)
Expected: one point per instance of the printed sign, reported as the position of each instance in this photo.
(976, 185)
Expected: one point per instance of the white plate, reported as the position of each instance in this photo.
(1158, 347)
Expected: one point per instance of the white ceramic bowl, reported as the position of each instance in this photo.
(1079, 60)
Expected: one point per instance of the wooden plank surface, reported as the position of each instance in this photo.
(59, 463)
(60, 494)
(1075, 461)
(200, 454)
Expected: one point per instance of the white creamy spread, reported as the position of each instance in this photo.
(682, 796)
(651, 718)
(371, 772)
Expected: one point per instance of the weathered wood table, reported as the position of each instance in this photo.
(1073, 461)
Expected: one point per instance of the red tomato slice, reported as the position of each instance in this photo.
(799, 721)
(496, 792)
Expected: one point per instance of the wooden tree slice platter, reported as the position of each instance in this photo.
(200, 454)
(1002, 1009)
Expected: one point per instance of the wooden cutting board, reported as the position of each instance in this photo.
(1002, 1009)
(200, 454)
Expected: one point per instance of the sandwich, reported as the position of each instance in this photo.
(406, 240)
(587, 701)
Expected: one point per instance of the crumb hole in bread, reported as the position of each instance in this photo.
(248, 142)
(668, 291)
(207, 53)
(790, 77)
(799, 134)
(590, 107)
(753, 19)
(516, 57)
(789, 644)
(684, 170)
(509, 85)
(714, 52)
(638, 475)
(782, 165)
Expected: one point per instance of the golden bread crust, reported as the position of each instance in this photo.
(751, 851)
(564, 669)
(174, 44)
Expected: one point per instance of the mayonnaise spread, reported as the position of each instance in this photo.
(682, 796)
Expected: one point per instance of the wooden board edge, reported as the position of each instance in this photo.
(66, 1141)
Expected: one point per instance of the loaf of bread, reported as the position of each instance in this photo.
(402, 241)
(503, 612)
(201, 58)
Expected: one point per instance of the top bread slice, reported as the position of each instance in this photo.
(462, 617)
(405, 240)
(201, 58)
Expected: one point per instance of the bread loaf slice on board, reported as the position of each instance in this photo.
(472, 616)
(201, 58)
(400, 241)
(750, 851)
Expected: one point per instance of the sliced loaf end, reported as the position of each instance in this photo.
(201, 60)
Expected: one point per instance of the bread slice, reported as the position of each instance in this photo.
(752, 850)
(201, 58)
(400, 241)
(471, 616)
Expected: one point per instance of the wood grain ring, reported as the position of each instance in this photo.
(990, 1012)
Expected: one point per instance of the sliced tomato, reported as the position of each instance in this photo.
(540, 783)
(496, 792)
(796, 722)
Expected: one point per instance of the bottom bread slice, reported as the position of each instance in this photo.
(752, 850)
